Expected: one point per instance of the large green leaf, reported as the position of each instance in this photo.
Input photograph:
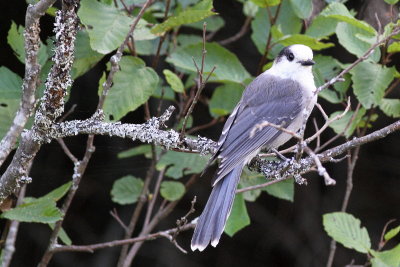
(108, 26)
(283, 190)
(309, 41)
(370, 81)
(302, 8)
(228, 66)
(196, 13)
(340, 125)
(85, 56)
(388, 258)
(239, 218)
(181, 163)
(214, 23)
(126, 190)
(132, 87)
(390, 107)
(322, 26)
(346, 230)
(15, 39)
(171, 190)
(220, 105)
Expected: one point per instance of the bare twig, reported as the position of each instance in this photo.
(115, 215)
(239, 34)
(382, 241)
(154, 198)
(66, 150)
(205, 126)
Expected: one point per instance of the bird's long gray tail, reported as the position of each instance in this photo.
(212, 221)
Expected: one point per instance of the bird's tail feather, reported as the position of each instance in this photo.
(212, 221)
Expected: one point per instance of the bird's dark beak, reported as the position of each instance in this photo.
(307, 62)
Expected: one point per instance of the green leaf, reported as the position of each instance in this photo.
(15, 39)
(347, 35)
(126, 190)
(391, 2)
(220, 105)
(391, 107)
(340, 12)
(171, 190)
(392, 233)
(346, 230)
(250, 9)
(388, 258)
(247, 179)
(370, 81)
(132, 87)
(174, 81)
(322, 26)
(10, 84)
(168, 93)
(302, 8)
(196, 13)
(283, 190)
(85, 57)
(181, 164)
(62, 235)
(107, 26)
(228, 66)
(139, 150)
(266, 3)
(57, 193)
(214, 23)
(238, 218)
(189, 123)
(340, 125)
(305, 40)
(394, 47)
(188, 39)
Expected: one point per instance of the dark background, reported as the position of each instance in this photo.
(281, 233)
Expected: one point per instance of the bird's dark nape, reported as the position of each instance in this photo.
(211, 223)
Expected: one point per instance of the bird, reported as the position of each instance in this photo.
(281, 96)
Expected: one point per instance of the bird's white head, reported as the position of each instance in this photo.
(293, 61)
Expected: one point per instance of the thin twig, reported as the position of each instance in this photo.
(154, 198)
(239, 34)
(115, 215)
(67, 151)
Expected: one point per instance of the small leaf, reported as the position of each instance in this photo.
(302, 8)
(174, 81)
(62, 235)
(392, 233)
(394, 47)
(126, 190)
(132, 86)
(391, 2)
(283, 190)
(220, 105)
(37, 211)
(340, 125)
(171, 190)
(391, 107)
(387, 258)
(346, 230)
(57, 193)
(238, 218)
(266, 3)
(370, 81)
(139, 150)
(181, 164)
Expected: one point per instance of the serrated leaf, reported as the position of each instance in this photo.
(321, 27)
(174, 81)
(139, 150)
(228, 66)
(387, 258)
(220, 105)
(283, 190)
(266, 3)
(340, 125)
(171, 190)
(305, 40)
(43, 211)
(302, 8)
(340, 12)
(15, 39)
(132, 87)
(181, 163)
(107, 26)
(391, 107)
(370, 81)
(394, 47)
(196, 13)
(126, 190)
(346, 230)
(62, 235)
(238, 218)
(392, 233)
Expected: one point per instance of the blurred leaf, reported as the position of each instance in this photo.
(43, 211)
(394, 47)
(330, 96)
(265, 3)
(339, 11)
(370, 81)
(149, 47)
(174, 81)
(228, 66)
(322, 26)
(107, 26)
(214, 23)
(8, 109)
(250, 9)
(391, 107)
(168, 92)
(181, 164)
(238, 218)
(346, 230)
(347, 35)
(85, 57)
(126, 190)
(276, 32)
(340, 125)
(171, 190)
(391, 2)
(62, 235)
(10, 84)
(392, 233)
(305, 40)
(283, 190)
(387, 258)
(188, 39)
(249, 178)
(342, 87)
(302, 8)
(220, 105)
(139, 150)
(132, 87)
(189, 123)
(196, 13)
(15, 39)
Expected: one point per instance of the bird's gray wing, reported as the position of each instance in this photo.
(267, 98)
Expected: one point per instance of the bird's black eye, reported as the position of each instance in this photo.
(290, 56)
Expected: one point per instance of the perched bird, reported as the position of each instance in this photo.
(280, 96)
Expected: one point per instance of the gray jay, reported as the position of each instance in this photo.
(280, 96)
